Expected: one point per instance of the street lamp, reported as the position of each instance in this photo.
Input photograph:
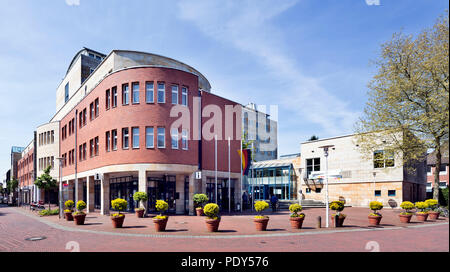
(61, 161)
(325, 150)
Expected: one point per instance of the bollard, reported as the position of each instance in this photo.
(336, 220)
(319, 222)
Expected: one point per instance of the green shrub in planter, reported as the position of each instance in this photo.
(140, 197)
(422, 206)
(119, 205)
(407, 206)
(211, 210)
(81, 205)
(295, 209)
(375, 206)
(200, 200)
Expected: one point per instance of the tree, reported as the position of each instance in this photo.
(313, 138)
(11, 186)
(46, 182)
(409, 94)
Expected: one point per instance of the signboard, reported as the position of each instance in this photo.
(332, 174)
(198, 175)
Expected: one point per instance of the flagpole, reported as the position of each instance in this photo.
(215, 163)
(229, 177)
(251, 175)
(241, 176)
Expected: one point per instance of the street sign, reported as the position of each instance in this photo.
(198, 175)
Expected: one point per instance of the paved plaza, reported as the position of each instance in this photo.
(236, 233)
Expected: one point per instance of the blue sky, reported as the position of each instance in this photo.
(309, 57)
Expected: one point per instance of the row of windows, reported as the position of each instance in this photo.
(128, 140)
(45, 162)
(47, 137)
(25, 162)
(442, 168)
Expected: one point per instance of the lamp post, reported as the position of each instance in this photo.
(61, 161)
(374, 186)
(325, 151)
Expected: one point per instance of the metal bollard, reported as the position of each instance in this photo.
(319, 222)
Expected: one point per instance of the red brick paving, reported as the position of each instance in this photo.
(15, 227)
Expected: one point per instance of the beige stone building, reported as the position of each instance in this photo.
(356, 178)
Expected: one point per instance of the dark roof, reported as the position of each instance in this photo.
(431, 157)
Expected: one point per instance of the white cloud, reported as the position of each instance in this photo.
(246, 25)
(73, 2)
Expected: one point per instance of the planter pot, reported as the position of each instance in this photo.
(79, 219)
(340, 221)
(433, 215)
(405, 218)
(422, 216)
(160, 224)
(68, 216)
(212, 224)
(296, 222)
(374, 220)
(117, 221)
(261, 223)
(139, 213)
(199, 212)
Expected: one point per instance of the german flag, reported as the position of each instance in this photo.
(246, 160)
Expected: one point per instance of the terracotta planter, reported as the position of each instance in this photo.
(160, 224)
(212, 224)
(140, 213)
(422, 216)
(79, 219)
(117, 221)
(199, 212)
(405, 218)
(261, 223)
(296, 222)
(68, 216)
(340, 221)
(433, 215)
(374, 220)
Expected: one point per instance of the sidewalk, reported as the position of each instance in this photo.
(236, 225)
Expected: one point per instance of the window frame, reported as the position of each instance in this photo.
(125, 94)
(133, 93)
(125, 138)
(174, 138)
(162, 91)
(184, 94)
(147, 134)
(147, 83)
(133, 139)
(175, 94)
(163, 134)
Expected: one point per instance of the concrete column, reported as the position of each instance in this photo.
(78, 187)
(90, 194)
(142, 187)
(104, 195)
(179, 188)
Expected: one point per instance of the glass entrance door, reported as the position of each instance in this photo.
(161, 189)
(124, 187)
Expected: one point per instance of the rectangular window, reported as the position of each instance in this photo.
(383, 159)
(125, 94)
(91, 111)
(114, 97)
(391, 192)
(108, 99)
(149, 92)
(91, 148)
(135, 132)
(174, 94)
(184, 139)
(149, 137)
(81, 119)
(108, 141)
(174, 136)
(377, 192)
(96, 146)
(135, 89)
(96, 107)
(80, 153)
(161, 137)
(66, 92)
(84, 116)
(184, 96)
(312, 165)
(114, 139)
(125, 138)
(318, 190)
(161, 93)
(84, 151)
(443, 168)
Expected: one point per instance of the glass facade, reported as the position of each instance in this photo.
(278, 181)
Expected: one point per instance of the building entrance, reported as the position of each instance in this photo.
(161, 188)
(124, 187)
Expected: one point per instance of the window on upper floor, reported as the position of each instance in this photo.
(91, 111)
(184, 96)
(114, 97)
(108, 99)
(135, 139)
(174, 136)
(96, 107)
(161, 92)
(149, 92)
(114, 139)
(66, 92)
(125, 94)
(96, 146)
(312, 165)
(383, 159)
(91, 148)
(174, 94)
(161, 137)
(108, 141)
(149, 137)
(125, 138)
(84, 116)
(135, 92)
(184, 139)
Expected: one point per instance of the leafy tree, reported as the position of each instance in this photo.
(313, 138)
(11, 186)
(46, 182)
(409, 96)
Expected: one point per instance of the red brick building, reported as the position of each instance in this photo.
(443, 171)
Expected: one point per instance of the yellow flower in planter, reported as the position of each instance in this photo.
(211, 210)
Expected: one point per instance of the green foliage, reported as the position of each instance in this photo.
(11, 185)
(407, 206)
(261, 206)
(337, 206)
(443, 197)
(211, 210)
(119, 204)
(375, 206)
(295, 209)
(200, 199)
(408, 98)
(313, 138)
(161, 206)
(49, 212)
(432, 203)
(69, 204)
(45, 181)
(421, 206)
(81, 205)
(140, 196)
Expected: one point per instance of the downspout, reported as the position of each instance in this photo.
(76, 157)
